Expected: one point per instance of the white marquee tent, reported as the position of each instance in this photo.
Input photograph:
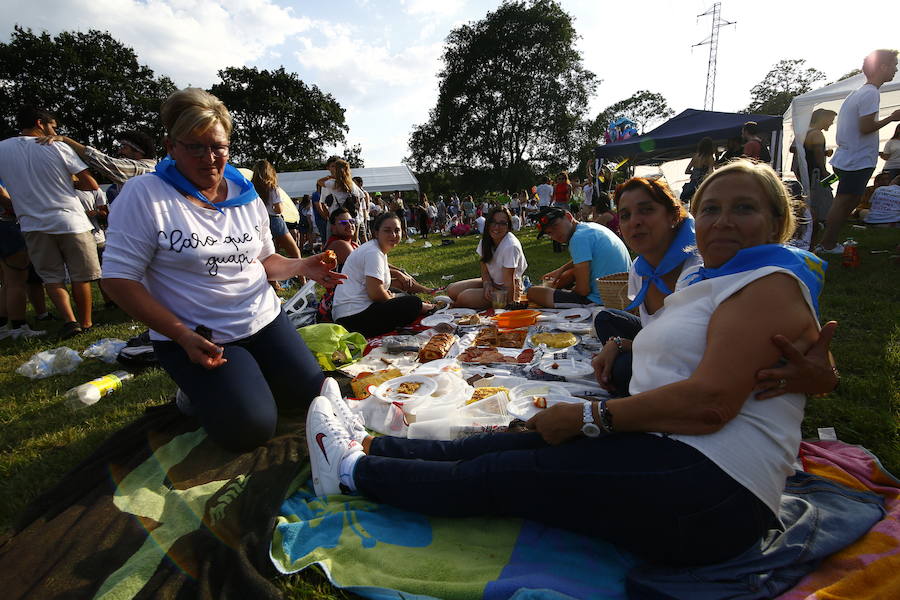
(798, 114)
(375, 179)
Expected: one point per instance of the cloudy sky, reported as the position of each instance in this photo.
(380, 58)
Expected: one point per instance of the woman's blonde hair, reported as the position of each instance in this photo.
(780, 200)
(342, 175)
(193, 109)
(264, 178)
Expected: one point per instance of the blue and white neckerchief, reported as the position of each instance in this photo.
(168, 172)
(808, 267)
(684, 246)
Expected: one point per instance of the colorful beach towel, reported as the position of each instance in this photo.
(378, 551)
(157, 511)
(869, 568)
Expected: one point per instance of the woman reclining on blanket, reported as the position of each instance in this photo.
(656, 226)
(703, 491)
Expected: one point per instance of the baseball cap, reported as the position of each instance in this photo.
(546, 216)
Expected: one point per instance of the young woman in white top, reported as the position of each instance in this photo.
(338, 189)
(502, 265)
(687, 471)
(188, 253)
(891, 154)
(364, 302)
(265, 181)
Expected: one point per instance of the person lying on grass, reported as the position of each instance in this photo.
(689, 469)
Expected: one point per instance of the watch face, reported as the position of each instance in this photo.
(590, 430)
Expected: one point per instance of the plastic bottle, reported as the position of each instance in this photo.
(89, 393)
(851, 254)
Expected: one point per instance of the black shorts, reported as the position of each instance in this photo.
(853, 183)
(11, 240)
(564, 298)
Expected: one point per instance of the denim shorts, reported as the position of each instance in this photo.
(277, 226)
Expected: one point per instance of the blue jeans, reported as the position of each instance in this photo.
(238, 403)
(654, 496)
(612, 322)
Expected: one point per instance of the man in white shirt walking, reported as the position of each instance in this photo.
(56, 229)
(857, 138)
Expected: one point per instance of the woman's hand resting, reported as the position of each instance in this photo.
(809, 373)
(559, 423)
(603, 364)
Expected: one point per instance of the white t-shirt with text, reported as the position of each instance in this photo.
(203, 265)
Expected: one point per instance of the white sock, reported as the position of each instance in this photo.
(348, 463)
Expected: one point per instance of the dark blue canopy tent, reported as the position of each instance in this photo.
(677, 138)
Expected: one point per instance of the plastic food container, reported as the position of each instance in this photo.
(517, 318)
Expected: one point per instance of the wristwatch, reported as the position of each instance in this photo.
(590, 428)
(618, 342)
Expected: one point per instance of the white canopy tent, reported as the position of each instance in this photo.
(798, 114)
(375, 179)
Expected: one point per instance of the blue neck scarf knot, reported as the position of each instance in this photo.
(168, 172)
(681, 248)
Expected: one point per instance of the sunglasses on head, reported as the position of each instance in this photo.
(345, 222)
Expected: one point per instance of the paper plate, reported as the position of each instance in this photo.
(432, 320)
(566, 367)
(582, 327)
(387, 391)
(524, 408)
(572, 315)
(457, 312)
(536, 388)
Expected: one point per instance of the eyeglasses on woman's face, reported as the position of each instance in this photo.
(201, 150)
(499, 223)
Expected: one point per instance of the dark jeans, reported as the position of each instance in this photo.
(657, 497)
(238, 403)
(382, 317)
(612, 322)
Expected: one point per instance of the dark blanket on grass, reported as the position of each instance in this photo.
(157, 511)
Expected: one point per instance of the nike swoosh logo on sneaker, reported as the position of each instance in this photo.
(319, 438)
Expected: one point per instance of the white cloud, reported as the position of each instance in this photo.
(428, 8)
(188, 40)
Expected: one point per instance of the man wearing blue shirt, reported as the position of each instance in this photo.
(595, 250)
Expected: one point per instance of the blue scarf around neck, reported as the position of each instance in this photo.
(168, 172)
(681, 248)
(808, 267)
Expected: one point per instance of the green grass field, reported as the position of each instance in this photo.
(40, 439)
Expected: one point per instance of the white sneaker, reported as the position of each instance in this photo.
(184, 403)
(838, 249)
(353, 423)
(25, 332)
(328, 444)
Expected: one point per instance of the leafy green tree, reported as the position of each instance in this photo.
(512, 92)
(788, 78)
(353, 156)
(92, 83)
(280, 118)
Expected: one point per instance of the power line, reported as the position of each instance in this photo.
(713, 42)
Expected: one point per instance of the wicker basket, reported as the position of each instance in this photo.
(614, 290)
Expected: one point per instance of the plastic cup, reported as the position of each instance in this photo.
(499, 299)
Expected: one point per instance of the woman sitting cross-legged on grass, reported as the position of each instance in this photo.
(502, 265)
(656, 226)
(364, 302)
(687, 470)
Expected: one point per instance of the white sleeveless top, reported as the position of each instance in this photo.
(757, 448)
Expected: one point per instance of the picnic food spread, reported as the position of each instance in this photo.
(483, 392)
(360, 384)
(437, 347)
